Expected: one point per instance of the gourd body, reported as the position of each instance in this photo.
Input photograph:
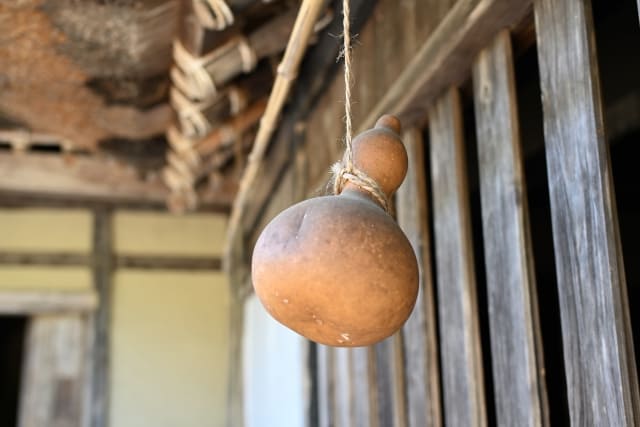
(335, 270)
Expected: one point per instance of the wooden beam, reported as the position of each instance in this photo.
(420, 334)
(28, 302)
(144, 262)
(54, 180)
(602, 383)
(88, 177)
(516, 347)
(169, 263)
(58, 259)
(461, 354)
(446, 56)
(102, 275)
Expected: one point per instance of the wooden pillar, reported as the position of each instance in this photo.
(516, 346)
(54, 374)
(602, 382)
(102, 272)
(461, 354)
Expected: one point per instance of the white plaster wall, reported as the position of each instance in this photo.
(276, 385)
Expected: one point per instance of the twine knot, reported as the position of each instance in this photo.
(345, 171)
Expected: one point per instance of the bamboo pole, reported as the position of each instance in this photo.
(287, 71)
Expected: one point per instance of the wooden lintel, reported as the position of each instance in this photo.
(446, 57)
(54, 180)
(46, 302)
(90, 177)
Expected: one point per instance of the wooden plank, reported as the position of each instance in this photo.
(445, 57)
(59, 259)
(598, 348)
(516, 353)
(325, 386)
(169, 263)
(123, 261)
(54, 372)
(362, 380)
(343, 396)
(88, 176)
(420, 335)
(235, 385)
(27, 302)
(43, 179)
(389, 377)
(102, 272)
(462, 376)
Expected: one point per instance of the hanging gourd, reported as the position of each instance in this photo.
(338, 269)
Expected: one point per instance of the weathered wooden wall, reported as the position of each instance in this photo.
(487, 364)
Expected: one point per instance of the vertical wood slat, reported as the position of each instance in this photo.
(598, 350)
(102, 271)
(461, 354)
(389, 380)
(342, 392)
(361, 374)
(419, 332)
(325, 386)
(518, 367)
(54, 372)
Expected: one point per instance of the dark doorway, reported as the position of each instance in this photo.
(12, 332)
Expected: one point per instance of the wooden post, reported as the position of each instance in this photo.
(461, 354)
(516, 353)
(420, 335)
(600, 365)
(325, 386)
(343, 394)
(102, 271)
(363, 398)
(54, 372)
(389, 376)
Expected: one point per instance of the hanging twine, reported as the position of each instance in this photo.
(345, 170)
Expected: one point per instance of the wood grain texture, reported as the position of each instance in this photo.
(419, 332)
(461, 358)
(445, 57)
(102, 278)
(343, 393)
(598, 350)
(325, 386)
(54, 372)
(362, 379)
(518, 367)
(389, 382)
